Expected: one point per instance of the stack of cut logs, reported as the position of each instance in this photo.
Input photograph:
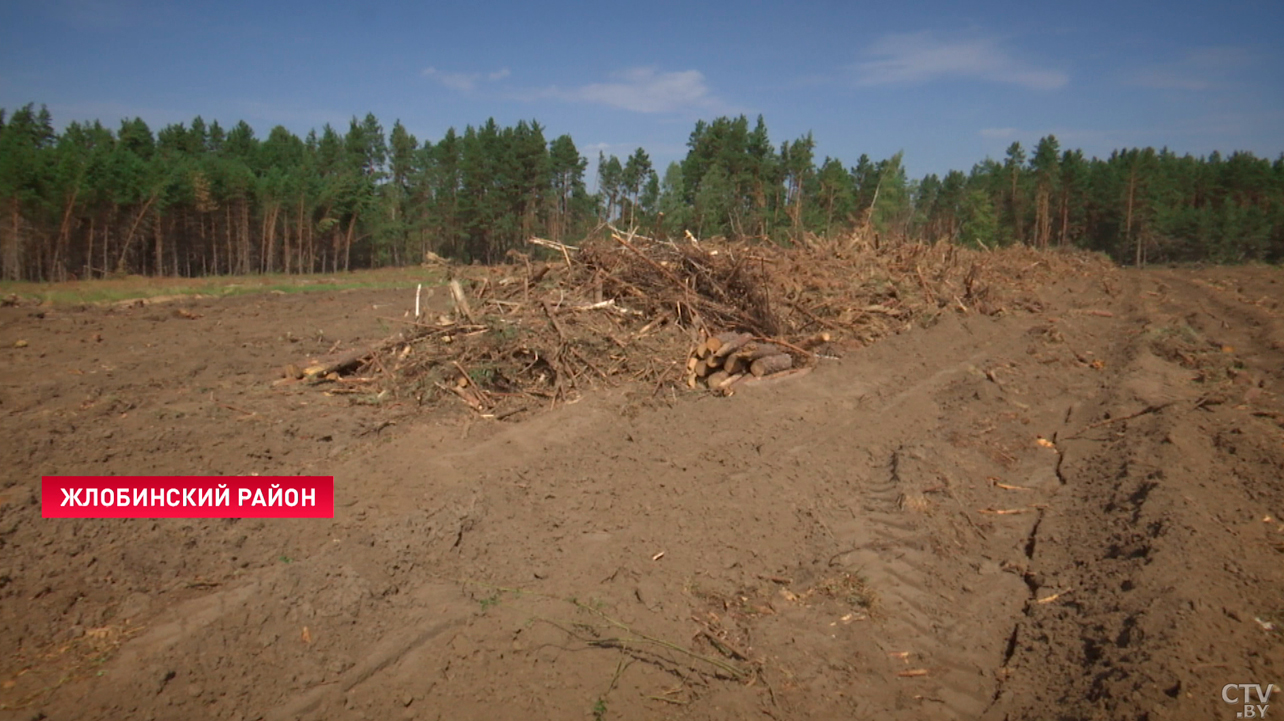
(723, 359)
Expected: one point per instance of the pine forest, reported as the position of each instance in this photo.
(200, 199)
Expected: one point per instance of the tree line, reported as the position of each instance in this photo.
(197, 199)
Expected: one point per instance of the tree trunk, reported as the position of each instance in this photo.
(107, 240)
(1016, 205)
(1065, 216)
(63, 248)
(89, 253)
(285, 241)
(12, 254)
(133, 230)
(1043, 218)
(347, 243)
(160, 244)
(1132, 186)
(269, 238)
(245, 236)
(227, 231)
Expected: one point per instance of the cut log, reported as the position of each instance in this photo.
(735, 363)
(715, 379)
(716, 342)
(753, 351)
(771, 364)
(733, 345)
(701, 368)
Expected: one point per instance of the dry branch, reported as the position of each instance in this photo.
(761, 312)
(461, 302)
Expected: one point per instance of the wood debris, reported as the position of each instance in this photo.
(622, 307)
(720, 361)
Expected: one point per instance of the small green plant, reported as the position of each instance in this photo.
(482, 376)
(505, 332)
(599, 710)
(370, 399)
(489, 602)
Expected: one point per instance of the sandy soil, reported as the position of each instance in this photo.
(1072, 514)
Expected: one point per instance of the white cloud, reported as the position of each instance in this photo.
(645, 90)
(922, 57)
(464, 82)
(1201, 69)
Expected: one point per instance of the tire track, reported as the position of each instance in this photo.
(1143, 545)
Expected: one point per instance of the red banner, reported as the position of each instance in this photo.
(187, 496)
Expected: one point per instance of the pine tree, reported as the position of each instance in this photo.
(890, 208)
(610, 185)
(675, 212)
(1013, 165)
(636, 172)
(569, 194)
(1046, 167)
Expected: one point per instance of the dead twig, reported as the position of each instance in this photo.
(557, 324)
(1099, 424)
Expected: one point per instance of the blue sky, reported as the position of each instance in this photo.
(948, 83)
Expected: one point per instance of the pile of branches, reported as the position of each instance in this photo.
(701, 286)
(629, 308)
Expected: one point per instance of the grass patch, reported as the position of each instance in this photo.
(134, 287)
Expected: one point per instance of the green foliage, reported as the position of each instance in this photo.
(979, 224)
(673, 207)
(198, 199)
(890, 207)
(713, 203)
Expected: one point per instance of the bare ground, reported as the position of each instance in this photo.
(1072, 513)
